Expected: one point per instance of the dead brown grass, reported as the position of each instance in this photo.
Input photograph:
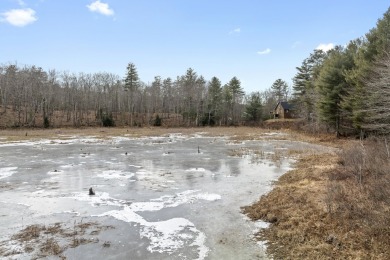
(295, 208)
(51, 247)
(331, 206)
(29, 233)
(54, 239)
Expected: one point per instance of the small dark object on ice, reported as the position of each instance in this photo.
(125, 153)
(198, 149)
(91, 192)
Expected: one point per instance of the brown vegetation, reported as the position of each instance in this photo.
(331, 206)
(54, 239)
(283, 123)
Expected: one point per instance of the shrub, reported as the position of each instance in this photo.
(46, 122)
(157, 121)
(107, 120)
(358, 191)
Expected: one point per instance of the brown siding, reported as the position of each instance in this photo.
(281, 112)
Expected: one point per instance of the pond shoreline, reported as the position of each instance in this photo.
(322, 209)
(296, 210)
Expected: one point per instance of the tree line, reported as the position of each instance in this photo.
(347, 89)
(50, 98)
(37, 98)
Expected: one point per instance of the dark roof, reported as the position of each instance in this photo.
(284, 104)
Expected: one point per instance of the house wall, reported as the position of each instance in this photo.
(282, 114)
(280, 111)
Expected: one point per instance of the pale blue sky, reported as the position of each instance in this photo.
(256, 41)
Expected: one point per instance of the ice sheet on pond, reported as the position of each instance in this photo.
(166, 236)
(177, 206)
(115, 174)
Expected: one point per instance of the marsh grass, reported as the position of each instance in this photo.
(53, 240)
(50, 247)
(298, 226)
(331, 206)
(29, 233)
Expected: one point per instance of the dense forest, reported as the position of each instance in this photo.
(345, 90)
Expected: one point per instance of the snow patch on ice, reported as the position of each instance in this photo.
(166, 236)
(6, 172)
(118, 139)
(262, 244)
(196, 170)
(55, 172)
(67, 166)
(38, 192)
(135, 166)
(99, 199)
(261, 224)
(166, 201)
(169, 201)
(23, 204)
(115, 174)
(71, 212)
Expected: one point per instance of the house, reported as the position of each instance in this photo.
(283, 110)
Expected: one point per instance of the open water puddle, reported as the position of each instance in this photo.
(172, 197)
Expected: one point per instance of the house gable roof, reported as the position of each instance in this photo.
(285, 105)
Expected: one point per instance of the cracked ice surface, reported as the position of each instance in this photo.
(173, 197)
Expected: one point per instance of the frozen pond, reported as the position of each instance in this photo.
(171, 197)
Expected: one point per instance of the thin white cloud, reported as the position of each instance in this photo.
(19, 17)
(266, 51)
(101, 8)
(235, 31)
(296, 44)
(325, 46)
(21, 3)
